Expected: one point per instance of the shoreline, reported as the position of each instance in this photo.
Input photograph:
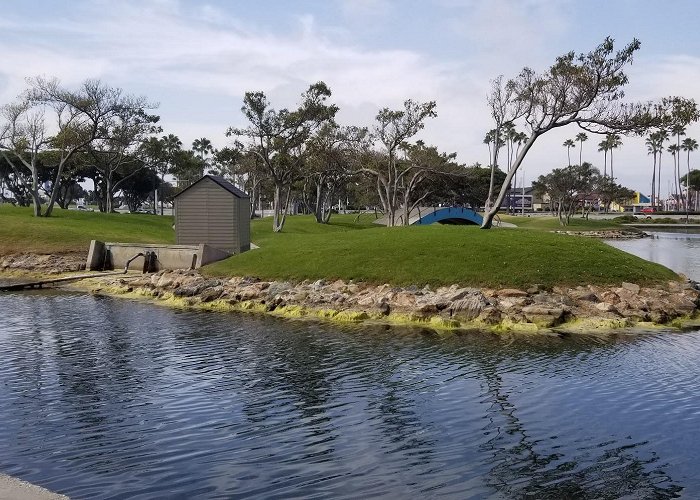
(18, 489)
(536, 309)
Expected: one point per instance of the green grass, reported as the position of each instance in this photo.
(419, 255)
(72, 230)
(434, 255)
(548, 223)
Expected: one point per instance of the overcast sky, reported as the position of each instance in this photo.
(196, 59)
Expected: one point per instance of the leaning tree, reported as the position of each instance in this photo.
(586, 90)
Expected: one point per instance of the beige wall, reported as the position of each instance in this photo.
(208, 213)
(116, 255)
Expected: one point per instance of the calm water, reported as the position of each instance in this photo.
(106, 398)
(676, 250)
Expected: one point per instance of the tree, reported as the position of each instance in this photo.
(393, 128)
(114, 150)
(674, 149)
(662, 137)
(244, 169)
(279, 139)
(692, 182)
(79, 117)
(568, 188)
(493, 136)
(160, 154)
(604, 147)
(653, 147)
(423, 164)
(678, 130)
(614, 142)
(688, 145)
(186, 167)
(610, 192)
(333, 155)
(581, 137)
(203, 148)
(463, 185)
(568, 144)
(584, 90)
(136, 189)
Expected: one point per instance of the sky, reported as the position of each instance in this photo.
(196, 60)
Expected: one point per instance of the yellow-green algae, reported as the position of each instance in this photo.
(436, 322)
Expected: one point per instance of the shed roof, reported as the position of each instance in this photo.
(221, 182)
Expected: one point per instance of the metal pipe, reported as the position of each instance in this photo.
(126, 267)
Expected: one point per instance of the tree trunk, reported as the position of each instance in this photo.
(491, 213)
(280, 207)
(35, 190)
(658, 191)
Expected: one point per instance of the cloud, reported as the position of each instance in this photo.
(199, 59)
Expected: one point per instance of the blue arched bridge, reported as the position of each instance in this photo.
(442, 215)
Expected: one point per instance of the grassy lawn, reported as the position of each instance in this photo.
(72, 230)
(434, 255)
(362, 251)
(548, 223)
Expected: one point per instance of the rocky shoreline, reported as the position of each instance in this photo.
(536, 308)
(454, 307)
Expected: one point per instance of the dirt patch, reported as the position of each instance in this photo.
(44, 263)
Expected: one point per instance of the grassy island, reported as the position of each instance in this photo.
(362, 251)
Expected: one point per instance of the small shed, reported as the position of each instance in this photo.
(214, 212)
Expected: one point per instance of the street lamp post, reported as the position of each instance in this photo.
(522, 197)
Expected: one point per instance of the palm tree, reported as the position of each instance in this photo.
(614, 142)
(492, 137)
(688, 145)
(568, 144)
(678, 131)
(661, 136)
(674, 149)
(652, 143)
(581, 137)
(171, 144)
(604, 147)
(203, 147)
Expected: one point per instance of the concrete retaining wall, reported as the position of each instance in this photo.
(104, 256)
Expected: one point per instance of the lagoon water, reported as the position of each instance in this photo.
(678, 250)
(107, 398)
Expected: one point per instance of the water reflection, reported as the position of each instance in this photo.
(101, 397)
(676, 250)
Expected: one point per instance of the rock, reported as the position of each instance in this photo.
(490, 316)
(511, 292)
(469, 307)
(543, 316)
(367, 300)
(403, 300)
(631, 287)
(584, 296)
(211, 294)
(384, 308)
(605, 307)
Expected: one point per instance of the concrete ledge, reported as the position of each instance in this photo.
(103, 256)
(12, 488)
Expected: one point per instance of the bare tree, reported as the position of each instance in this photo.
(585, 90)
(393, 128)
